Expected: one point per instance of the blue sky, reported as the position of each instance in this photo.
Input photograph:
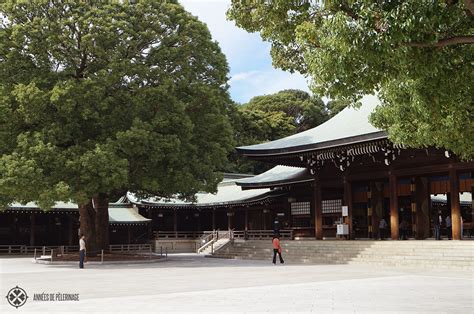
(251, 70)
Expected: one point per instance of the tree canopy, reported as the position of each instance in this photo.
(111, 97)
(271, 117)
(415, 55)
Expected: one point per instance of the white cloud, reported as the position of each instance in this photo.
(243, 76)
(234, 42)
(248, 56)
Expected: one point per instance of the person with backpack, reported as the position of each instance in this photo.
(277, 249)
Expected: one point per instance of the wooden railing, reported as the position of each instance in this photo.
(27, 249)
(11, 249)
(177, 234)
(130, 248)
(261, 234)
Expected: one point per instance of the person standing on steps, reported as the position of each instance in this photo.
(82, 251)
(277, 249)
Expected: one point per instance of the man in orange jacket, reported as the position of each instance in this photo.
(277, 249)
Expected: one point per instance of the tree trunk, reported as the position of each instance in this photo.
(87, 227)
(101, 203)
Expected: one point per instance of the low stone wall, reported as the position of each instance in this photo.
(176, 245)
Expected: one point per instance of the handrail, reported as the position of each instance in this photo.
(211, 239)
(206, 240)
(261, 234)
(177, 234)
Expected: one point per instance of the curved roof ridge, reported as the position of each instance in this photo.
(351, 124)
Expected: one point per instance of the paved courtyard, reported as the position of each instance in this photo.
(190, 283)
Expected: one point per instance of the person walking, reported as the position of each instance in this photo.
(449, 228)
(82, 251)
(382, 228)
(277, 249)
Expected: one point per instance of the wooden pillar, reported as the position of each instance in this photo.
(149, 231)
(199, 222)
(423, 204)
(413, 207)
(213, 219)
(472, 197)
(70, 233)
(246, 219)
(377, 208)
(264, 215)
(175, 223)
(318, 210)
(32, 229)
(370, 227)
(394, 225)
(229, 220)
(348, 203)
(129, 233)
(455, 205)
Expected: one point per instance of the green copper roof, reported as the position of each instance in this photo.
(279, 175)
(349, 126)
(119, 213)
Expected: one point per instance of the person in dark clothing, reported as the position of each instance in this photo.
(403, 230)
(82, 251)
(437, 219)
(277, 249)
(276, 227)
(449, 228)
(382, 227)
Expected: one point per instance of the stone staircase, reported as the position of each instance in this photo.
(411, 253)
(217, 245)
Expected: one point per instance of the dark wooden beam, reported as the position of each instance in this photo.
(229, 221)
(32, 229)
(175, 223)
(348, 203)
(370, 211)
(213, 219)
(423, 204)
(414, 208)
(433, 169)
(472, 196)
(246, 219)
(455, 204)
(318, 210)
(394, 225)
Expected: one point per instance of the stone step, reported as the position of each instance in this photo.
(369, 262)
(452, 254)
(388, 245)
(356, 252)
(343, 261)
(360, 257)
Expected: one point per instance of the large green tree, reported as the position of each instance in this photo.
(270, 117)
(99, 99)
(417, 56)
